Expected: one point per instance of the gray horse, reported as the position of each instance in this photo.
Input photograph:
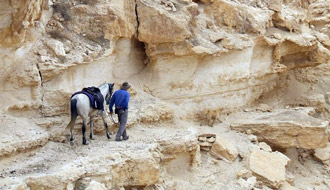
(81, 105)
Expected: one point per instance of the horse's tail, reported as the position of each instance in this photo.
(73, 107)
(74, 113)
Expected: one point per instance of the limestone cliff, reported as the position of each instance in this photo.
(182, 57)
(191, 51)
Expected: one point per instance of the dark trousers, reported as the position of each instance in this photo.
(122, 118)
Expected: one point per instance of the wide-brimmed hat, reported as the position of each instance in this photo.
(125, 86)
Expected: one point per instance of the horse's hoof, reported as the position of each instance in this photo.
(91, 138)
(108, 136)
(84, 141)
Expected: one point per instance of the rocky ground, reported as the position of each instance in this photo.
(166, 156)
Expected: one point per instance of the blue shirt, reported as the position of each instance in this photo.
(120, 98)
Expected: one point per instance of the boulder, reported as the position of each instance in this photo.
(223, 149)
(269, 167)
(265, 147)
(323, 154)
(285, 128)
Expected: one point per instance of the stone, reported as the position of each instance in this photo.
(203, 139)
(57, 47)
(205, 144)
(323, 154)
(93, 185)
(253, 138)
(264, 146)
(210, 140)
(277, 36)
(248, 183)
(244, 173)
(205, 148)
(223, 149)
(287, 186)
(264, 108)
(285, 128)
(275, 5)
(269, 167)
(82, 183)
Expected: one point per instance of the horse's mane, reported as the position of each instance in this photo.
(105, 83)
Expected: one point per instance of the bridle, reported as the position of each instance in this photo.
(109, 94)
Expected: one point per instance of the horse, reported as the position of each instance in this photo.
(81, 105)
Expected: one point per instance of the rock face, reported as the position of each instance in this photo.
(17, 17)
(269, 167)
(234, 56)
(285, 128)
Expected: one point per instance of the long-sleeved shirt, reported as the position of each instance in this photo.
(119, 98)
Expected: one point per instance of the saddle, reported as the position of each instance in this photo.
(94, 95)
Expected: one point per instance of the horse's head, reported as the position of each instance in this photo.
(109, 94)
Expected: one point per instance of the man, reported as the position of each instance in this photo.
(121, 98)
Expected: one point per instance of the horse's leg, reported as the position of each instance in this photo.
(84, 131)
(71, 126)
(72, 122)
(74, 115)
(92, 126)
(106, 125)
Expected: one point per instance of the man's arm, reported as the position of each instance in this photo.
(126, 100)
(112, 101)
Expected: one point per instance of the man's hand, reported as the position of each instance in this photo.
(111, 112)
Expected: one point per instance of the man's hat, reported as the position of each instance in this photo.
(125, 86)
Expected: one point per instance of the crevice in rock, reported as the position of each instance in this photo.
(137, 20)
(40, 75)
(41, 82)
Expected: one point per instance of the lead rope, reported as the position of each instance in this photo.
(111, 118)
